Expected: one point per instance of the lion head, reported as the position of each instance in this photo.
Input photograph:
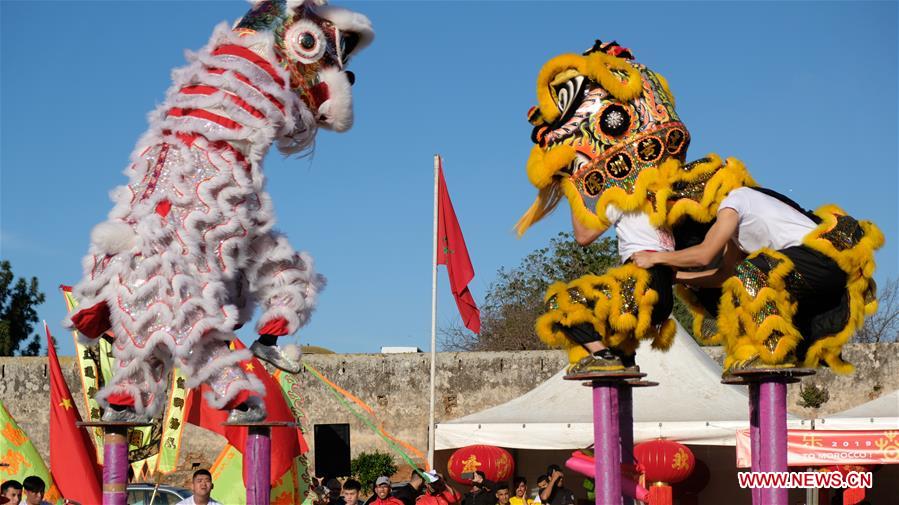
(601, 120)
(314, 42)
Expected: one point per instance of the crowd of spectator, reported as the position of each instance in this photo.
(423, 488)
(431, 488)
(550, 490)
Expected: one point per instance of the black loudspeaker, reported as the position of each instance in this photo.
(332, 450)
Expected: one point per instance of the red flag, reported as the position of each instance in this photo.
(73, 458)
(287, 443)
(451, 251)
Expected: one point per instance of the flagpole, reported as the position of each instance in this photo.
(431, 426)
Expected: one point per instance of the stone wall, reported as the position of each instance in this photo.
(396, 387)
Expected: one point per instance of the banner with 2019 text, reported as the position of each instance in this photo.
(823, 447)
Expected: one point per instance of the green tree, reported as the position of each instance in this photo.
(367, 467)
(17, 313)
(515, 299)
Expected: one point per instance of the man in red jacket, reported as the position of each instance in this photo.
(383, 492)
(437, 492)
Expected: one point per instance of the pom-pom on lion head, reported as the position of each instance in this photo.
(600, 120)
(314, 42)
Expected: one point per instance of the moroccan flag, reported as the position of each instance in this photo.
(287, 443)
(451, 251)
(70, 446)
(19, 458)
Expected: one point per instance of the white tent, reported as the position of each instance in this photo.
(878, 414)
(689, 405)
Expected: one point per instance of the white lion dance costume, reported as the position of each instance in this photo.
(609, 141)
(189, 249)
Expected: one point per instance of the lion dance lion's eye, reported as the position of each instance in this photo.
(305, 42)
(614, 120)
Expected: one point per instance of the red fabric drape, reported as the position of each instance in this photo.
(287, 443)
(70, 446)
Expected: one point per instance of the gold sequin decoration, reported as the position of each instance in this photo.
(709, 328)
(576, 296)
(628, 298)
(752, 277)
(794, 281)
(772, 340)
(605, 290)
(552, 303)
(845, 234)
(692, 189)
(769, 309)
(871, 292)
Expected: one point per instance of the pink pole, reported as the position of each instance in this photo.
(626, 424)
(626, 431)
(606, 448)
(754, 441)
(258, 465)
(115, 466)
(772, 414)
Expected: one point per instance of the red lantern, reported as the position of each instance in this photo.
(665, 462)
(496, 463)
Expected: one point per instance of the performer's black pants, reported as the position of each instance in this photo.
(820, 290)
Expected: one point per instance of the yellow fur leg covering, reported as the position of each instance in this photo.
(851, 244)
(756, 312)
(617, 304)
(564, 307)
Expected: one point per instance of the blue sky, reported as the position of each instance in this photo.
(803, 92)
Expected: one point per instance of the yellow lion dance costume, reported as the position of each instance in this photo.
(607, 138)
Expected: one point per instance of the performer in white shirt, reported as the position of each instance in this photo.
(801, 293)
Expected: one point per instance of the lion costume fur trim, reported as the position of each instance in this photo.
(662, 185)
(597, 66)
(546, 168)
(747, 321)
(619, 322)
(720, 179)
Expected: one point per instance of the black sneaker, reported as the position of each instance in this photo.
(629, 362)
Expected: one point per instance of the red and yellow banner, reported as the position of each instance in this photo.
(821, 447)
(19, 458)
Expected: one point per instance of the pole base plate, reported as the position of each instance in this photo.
(750, 376)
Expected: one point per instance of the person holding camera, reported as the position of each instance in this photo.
(481, 492)
(554, 493)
